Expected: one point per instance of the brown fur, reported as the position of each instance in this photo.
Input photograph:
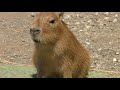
(57, 54)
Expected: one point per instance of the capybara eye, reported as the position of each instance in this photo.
(52, 21)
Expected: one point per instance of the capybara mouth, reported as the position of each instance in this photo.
(34, 38)
(36, 41)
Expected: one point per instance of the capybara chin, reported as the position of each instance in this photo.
(57, 53)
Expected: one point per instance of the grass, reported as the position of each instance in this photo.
(15, 71)
(94, 74)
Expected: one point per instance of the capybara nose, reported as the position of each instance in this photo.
(34, 30)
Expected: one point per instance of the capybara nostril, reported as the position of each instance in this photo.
(34, 30)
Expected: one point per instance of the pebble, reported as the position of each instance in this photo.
(92, 66)
(32, 14)
(96, 13)
(80, 30)
(89, 21)
(77, 23)
(117, 53)
(96, 55)
(77, 15)
(8, 56)
(88, 43)
(67, 17)
(87, 27)
(99, 49)
(11, 58)
(106, 18)
(116, 15)
(115, 20)
(106, 13)
(114, 59)
(110, 43)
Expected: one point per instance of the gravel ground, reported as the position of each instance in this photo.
(97, 31)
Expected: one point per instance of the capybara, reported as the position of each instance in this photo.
(57, 53)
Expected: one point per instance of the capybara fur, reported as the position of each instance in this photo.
(57, 53)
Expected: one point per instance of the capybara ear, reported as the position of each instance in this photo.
(59, 14)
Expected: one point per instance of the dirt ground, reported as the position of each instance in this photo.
(97, 31)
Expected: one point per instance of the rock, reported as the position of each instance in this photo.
(11, 58)
(96, 55)
(89, 21)
(106, 18)
(96, 13)
(88, 43)
(77, 15)
(115, 20)
(106, 13)
(114, 59)
(99, 49)
(92, 66)
(116, 15)
(32, 14)
(81, 30)
(87, 27)
(67, 17)
(117, 53)
(110, 43)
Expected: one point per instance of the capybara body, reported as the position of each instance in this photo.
(57, 53)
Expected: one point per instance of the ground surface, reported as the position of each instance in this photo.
(23, 71)
(98, 32)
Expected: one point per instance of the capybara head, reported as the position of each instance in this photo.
(47, 27)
